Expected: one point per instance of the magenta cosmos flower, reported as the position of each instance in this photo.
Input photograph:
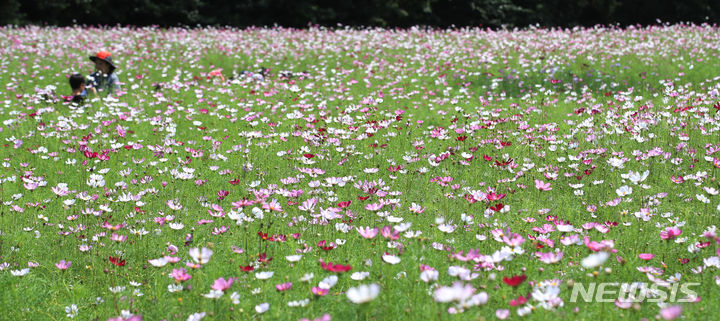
(670, 233)
(221, 284)
(63, 265)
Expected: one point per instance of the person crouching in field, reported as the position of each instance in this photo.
(104, 79)
(77, 84)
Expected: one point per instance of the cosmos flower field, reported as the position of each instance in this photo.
(360, 174)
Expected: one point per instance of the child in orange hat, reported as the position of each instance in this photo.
(104, 78)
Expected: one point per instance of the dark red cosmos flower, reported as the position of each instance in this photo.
(519, 301)
(308, 155)
(326, 246)
(487, 158)
(262, 257)
(117, 261)
(338, 268)
(683, 261)
(248, 268)
(234, 181)
(344, 204)
(497, 207)
(462, 138)
(515, 280)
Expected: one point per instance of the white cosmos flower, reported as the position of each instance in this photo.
(429, 275)
(299, 303)
(293, 258)
(636, 177)
(363, 293)
(196, 316)
(20, 272)
(177, 226)
(262, 307)
(392, 259)
(264, 275)
(447, 228)
(328, 282)
(702, 198)
(201, 256)
(214, 294)
(616, 162)
(158, 262)
(96, 180)
(359, 276)
(594, 260)
(71, 311)
(624, 190)
(713, 261)
(235, 297)
(402, 227)
(412, 234)
(457, 292)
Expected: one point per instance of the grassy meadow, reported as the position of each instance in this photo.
(360, 174)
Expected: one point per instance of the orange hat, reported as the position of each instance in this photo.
(104, 56)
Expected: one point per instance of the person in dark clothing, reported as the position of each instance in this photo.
(77, 84)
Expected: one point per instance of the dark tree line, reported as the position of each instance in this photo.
(386, 13)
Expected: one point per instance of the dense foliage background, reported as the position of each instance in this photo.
(399, 13)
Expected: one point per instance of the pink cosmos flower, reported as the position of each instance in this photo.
(671, 312)
(283, 286)
(221, 284)
(549, 257)
(543, 186)
(368, 232)
(319, 291)
(670, 233)
(180, 275)
(325, 317)
(646, 256)
(603, 245)
(623, 304)
(390, 233)
(63, 265)
(118, 238)
(502, 314)
(424, 267)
